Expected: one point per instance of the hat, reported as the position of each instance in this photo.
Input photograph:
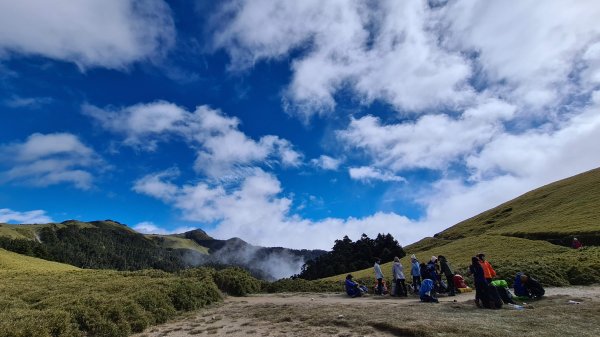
(414, 257)
(396, 259)
(434, 258)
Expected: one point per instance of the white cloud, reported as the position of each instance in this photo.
(256, 211)
(26, 102)
(326, 163)
(50, 159)
(381, 50)
(148, 227)
(223, 151)
(93, 33)
(432, 141)
(367, 173)
(527, 47)
(28, 217)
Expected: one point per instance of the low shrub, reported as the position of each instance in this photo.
(301, 285)
(236, 281)
(96, 303)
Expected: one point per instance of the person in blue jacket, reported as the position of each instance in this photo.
(427, 292)
(415, 271)
(353, 289)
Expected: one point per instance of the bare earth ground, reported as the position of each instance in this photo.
(337, 315)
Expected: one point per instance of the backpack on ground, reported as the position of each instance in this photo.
(503, 291)
(493, 300)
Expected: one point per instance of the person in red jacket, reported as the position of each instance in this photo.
(488, 272)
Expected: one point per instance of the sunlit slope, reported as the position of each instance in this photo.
(565, 208)
(12, 262)
(176, 242)
(529, 233)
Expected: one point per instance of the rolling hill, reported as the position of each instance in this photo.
(109, 244)
(530, 233)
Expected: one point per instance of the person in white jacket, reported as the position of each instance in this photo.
(378, 276)
(399, 279)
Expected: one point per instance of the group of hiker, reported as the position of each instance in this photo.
(436, 277)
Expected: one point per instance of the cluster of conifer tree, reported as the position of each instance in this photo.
(348, 256)
(101, 247)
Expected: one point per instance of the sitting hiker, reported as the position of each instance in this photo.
(519, 287)
(533, 287)
(353, 289)
(427, 293)
(576, 244)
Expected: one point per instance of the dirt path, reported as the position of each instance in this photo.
(337, 315)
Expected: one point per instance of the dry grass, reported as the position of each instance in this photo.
(297, 315)
(10, 261)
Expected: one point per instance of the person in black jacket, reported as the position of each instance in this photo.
(533, 287)
(447, 271)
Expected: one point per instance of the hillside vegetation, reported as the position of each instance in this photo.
(530, 233)
(111, 245)
(40, 298)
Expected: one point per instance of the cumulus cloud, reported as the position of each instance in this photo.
(326, 163)
(432, 141)
(367, 173)
(148, 227)
(97, 33)
(49, 159)
(381, 50)
(530, 50)
(222, 149)
(28, 217)
(257, 212)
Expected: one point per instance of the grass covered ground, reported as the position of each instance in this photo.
(40, 298)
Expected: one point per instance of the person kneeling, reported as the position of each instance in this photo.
(427, 293)
(533, 287)
(353, 289)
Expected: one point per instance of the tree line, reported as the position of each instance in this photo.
(348, 256)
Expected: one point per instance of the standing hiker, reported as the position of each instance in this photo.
(378, 276)
(398, 273)
(415, 271)
(447, 271)
(488, 272)
(480, 283)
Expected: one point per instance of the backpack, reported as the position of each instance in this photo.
(493, 300)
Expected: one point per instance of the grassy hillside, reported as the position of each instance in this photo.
(177, 242)
(10, 261)
(530, 233)
(557, 211)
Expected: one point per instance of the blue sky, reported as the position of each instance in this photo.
(291, 123)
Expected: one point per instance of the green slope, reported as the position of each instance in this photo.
(177, 242)
(530, 233)
(10, 261)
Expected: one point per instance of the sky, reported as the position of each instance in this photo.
(291, 123)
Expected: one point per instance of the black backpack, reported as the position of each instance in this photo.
(493, 299)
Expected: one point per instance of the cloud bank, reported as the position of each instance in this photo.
(97, 33)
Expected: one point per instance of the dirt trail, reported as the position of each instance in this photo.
(337, 315)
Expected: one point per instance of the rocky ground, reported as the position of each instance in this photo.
(572, 311)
